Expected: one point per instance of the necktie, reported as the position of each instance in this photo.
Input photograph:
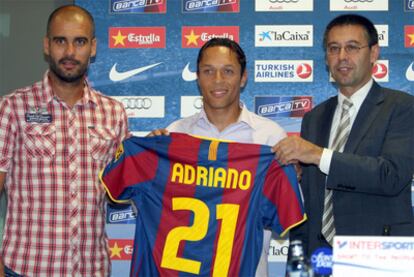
(341, 136)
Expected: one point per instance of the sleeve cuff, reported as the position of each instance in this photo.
(325, 162)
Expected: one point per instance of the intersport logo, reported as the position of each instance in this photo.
(197, 36)
(283, 5)
(137, 37)
(358, 5)
(284, 35)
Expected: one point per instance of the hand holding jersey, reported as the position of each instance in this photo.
(203, 204)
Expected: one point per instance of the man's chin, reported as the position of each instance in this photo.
(69, 77)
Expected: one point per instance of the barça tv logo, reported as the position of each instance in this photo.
(210, 6)
(409, 5)
(138, 6)
(282, 106)
(120, 214)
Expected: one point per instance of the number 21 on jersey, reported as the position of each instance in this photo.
(228, 213)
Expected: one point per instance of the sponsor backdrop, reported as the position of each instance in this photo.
(147, 53)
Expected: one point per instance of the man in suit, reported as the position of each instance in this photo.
(367, 171)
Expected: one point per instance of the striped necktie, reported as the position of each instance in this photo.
(341, 136)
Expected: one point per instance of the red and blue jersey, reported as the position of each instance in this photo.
(202, 203)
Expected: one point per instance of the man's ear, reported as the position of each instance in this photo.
(93, 48)
(46, 46)
(243, 79)
(375, 52)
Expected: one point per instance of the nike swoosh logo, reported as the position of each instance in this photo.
(410, 72)
(116, 76)
(188, 75)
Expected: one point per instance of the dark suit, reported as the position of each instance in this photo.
(371, 179)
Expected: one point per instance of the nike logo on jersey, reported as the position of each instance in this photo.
(188, 75)
(117, 76)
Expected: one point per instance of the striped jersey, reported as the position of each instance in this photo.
(202, 203)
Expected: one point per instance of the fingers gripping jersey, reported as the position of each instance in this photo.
(203, 204)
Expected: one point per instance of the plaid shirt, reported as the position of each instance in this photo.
(52, 154)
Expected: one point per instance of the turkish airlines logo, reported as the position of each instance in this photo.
(196, 36)
(358, 5)
(409, 36)
(380, 71)
(409, 74)
(283, 5)
(283, 71)
(137, 37)
(304, 71)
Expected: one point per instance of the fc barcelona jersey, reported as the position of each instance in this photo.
(202, 203)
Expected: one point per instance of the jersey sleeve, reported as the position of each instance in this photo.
(131, 167)
(283, 206)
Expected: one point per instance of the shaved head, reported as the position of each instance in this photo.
(70, 11)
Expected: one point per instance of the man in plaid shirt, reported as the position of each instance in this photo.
(55, 136)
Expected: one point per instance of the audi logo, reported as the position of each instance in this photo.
(198, 103)
(362, 1)
(137, 103)
(283, 1)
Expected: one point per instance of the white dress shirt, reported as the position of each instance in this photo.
(357, 98)
(249, 128)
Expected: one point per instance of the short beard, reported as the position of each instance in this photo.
(53, 66)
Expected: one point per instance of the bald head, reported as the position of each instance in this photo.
(69, 12)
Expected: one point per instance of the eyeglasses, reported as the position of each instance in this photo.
(349, 49)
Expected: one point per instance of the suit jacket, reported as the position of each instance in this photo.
(371, 179)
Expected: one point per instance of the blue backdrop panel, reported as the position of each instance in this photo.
(147, 53)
